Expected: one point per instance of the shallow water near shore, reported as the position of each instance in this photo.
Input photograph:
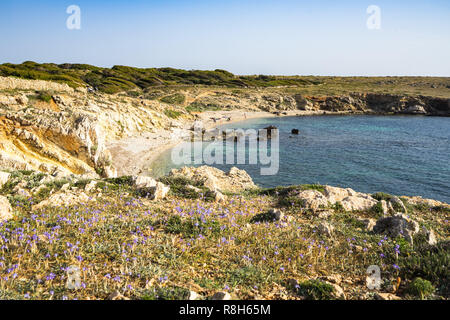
(402, 155)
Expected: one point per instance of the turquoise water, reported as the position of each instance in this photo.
(403, 155)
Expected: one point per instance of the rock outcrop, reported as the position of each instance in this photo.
(63, 199)
(348, 198)
(4, 177)
(5, 209)
(397, 225)
(215, 179)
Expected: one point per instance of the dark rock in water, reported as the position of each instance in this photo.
(270, 130)
(294, 131)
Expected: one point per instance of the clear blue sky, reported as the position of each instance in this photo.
(245, 37)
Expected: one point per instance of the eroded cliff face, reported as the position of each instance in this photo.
(60, 130)
(273, 101)
(67, 132)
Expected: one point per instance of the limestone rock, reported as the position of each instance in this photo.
(313, 199)
(276, 214)
(427, 202)
(4, 177)
(398, 204)
(193, 188)
(219, 197)
(349, 199)
(5, 209)
(359, 203)
(416, 109)
(116, 295)
(221, 295)
(90, 186)
(60, 199)
(386, 296)
(160, 191)
(144, 182)
(397, 225)
(214, 179)
(193, 295)
(384, 207)
(335, 194)
(325, 228)
(368, 223)
(430, 236)
(338, 291)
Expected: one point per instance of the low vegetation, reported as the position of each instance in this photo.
(135, 80)
(123, 242)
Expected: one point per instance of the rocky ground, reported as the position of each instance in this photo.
(200, 233)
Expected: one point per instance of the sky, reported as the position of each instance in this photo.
(282, 37)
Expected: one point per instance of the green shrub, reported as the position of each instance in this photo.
(179, 187)
(166, 293)
(382, 196)
(44, 96)
(172, 113)
(428, 262)
(421, 288)
(192, 228)
(176, 99)
(316, 290)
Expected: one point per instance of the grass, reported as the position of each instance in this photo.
(160, 250)
(174, 99)
(315, 290)
(172, 113)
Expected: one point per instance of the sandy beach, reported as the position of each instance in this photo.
(133, 155)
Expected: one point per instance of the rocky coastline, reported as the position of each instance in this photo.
(56, 129)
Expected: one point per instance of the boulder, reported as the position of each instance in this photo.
(350, 199)
(368, 223)
(193, 295)
(90, 186)
(335, 194)
(384, 207)
(338, 292)
(386, 296)
(214, 179)
(193, 188)
(427, 202)
(5, 209)
(429, 236)
(160, 191)
(219, 197)
(276, 214)
(398, 204)
(313, 199)
(221, 296)
(4, 177)
(325, 228)
(116, 295)
(144, 182)
(416, 109)
(397, 225)
(359, 203)
(61, 199)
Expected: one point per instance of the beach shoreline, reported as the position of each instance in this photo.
(134, 155)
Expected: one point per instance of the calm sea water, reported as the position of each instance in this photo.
(403, 155)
